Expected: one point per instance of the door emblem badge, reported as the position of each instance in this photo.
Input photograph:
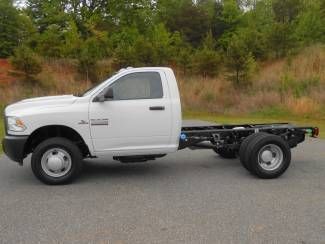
(83, 122)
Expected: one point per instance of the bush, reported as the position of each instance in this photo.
(26, 61)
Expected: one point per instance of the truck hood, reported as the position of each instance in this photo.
(39, 103)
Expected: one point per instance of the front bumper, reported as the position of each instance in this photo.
(13, 147)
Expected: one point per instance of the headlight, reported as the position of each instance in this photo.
(15, 124)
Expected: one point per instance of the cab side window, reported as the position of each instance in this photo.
(139, 85)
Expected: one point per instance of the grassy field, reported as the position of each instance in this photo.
(223, 119)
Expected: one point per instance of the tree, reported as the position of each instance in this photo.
(190, 20)
(123, 44)
(281, 39)
(47, 13)
(72, 41)
(286, 10)
(227, 16)
(11, 28)
(181, 52)
(91, 51)
(240, 62)
(50, 42)
(206, 60)
(161, 41)
(310, 24)
(27, 61)
(256, 42)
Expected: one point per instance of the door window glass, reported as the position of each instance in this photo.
(140, 85)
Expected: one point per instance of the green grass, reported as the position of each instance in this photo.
(256, 118)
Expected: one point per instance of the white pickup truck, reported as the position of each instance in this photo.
(134, 116)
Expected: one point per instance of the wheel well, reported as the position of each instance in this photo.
(50, 131)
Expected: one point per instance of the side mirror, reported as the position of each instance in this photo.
(107, 94)
(100, 98)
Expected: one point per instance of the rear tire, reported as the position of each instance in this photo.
(268, 156)
(243, 148)
(226, 153)
(56, 161)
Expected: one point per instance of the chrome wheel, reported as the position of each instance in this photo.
(56, 162)
(270, 157)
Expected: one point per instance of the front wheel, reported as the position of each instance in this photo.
(56, 161)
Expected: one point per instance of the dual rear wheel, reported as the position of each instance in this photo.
(264, 155)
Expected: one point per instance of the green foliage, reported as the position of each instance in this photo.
(72, 41)
(47, 13)
(155, 49)
(92, 50)
(181, 52)
(310, 24)
(191, 21)
(161, 41)
(14, 27)
(227, 17)
(240, 62)
(26, 61)
(281, 39)
(206, 60)
(163, 32)
(50, 42)
(286, 10)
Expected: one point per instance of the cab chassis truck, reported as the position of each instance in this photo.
(134, 116)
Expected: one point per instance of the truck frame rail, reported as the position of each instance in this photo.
(231, 136)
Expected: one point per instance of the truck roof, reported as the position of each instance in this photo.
(143, 68)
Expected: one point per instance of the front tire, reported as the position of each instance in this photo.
(56, 161)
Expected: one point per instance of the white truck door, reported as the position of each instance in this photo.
(137, 120)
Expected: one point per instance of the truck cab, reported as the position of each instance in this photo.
(136, 112)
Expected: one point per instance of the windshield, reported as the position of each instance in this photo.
(91, 89)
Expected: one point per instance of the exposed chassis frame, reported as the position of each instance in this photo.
(231, 136)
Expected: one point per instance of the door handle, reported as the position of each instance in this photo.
(155, 108)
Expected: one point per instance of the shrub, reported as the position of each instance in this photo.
(26, 61)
